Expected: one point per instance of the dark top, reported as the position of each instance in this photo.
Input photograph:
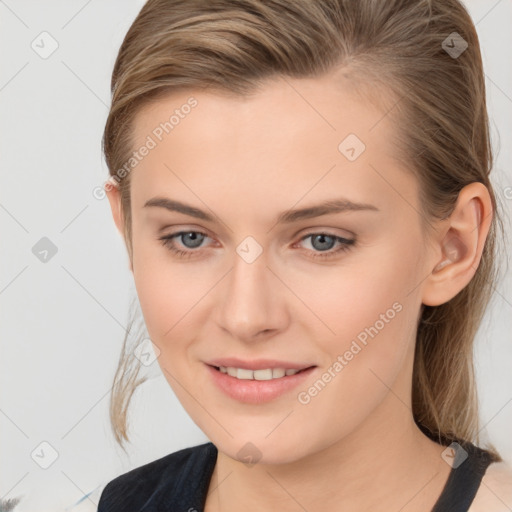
(179, 481)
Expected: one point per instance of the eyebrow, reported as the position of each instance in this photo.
(327, 207)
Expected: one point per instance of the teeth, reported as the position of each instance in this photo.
(267, 374)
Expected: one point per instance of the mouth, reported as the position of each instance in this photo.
(257, 386)
(261, 374)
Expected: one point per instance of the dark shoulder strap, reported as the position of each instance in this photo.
(178, 481)
(469, 464)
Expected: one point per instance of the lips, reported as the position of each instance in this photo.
(258, 392)
(258, 364)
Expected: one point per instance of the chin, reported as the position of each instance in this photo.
(260, 451)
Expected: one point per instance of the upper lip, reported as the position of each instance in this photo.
(258, 364)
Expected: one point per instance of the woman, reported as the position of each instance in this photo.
(303, 189)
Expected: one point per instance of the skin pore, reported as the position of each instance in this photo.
(244, 161)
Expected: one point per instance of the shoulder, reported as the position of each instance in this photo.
(495, 491)
(131, 490)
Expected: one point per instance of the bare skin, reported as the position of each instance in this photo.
(354, 445)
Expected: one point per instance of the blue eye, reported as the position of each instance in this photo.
(319, 240)
(345, 244)
(168, 241)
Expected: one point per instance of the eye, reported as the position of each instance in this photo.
(193, 237)
(322, 243)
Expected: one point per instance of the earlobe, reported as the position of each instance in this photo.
(461, 245)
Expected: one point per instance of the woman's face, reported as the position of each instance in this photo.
(254, 282)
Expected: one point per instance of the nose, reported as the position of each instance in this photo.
(252, 305)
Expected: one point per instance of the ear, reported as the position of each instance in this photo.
(114, 198)
(460, 245)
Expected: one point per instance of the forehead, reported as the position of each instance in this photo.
(331, 106)
(292, 138)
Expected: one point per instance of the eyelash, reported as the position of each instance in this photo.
(346, 244)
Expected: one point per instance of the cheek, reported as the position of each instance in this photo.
(351, 296)
(373, 334)
(365, 313)
(169, 295)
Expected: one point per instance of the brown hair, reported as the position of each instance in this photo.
(439, 109)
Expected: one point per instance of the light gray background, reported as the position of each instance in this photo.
(62, 322)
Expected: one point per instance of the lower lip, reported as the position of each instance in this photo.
(257, 391)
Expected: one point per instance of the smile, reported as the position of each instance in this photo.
(257, 386)
(265, 374)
